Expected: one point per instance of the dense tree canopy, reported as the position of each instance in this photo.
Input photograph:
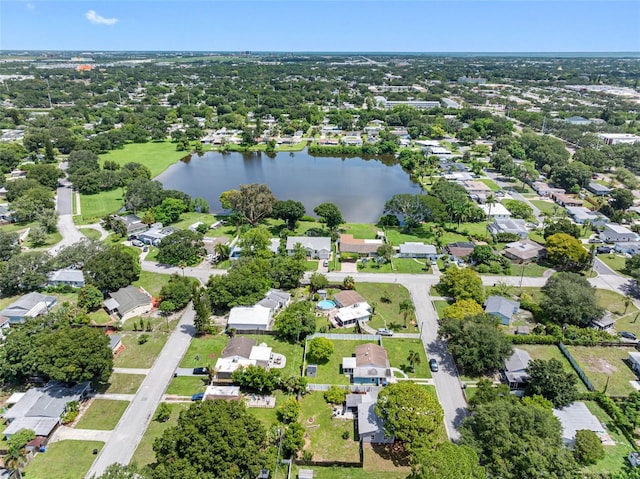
(178, 290)
(212, 440)
(112, 269)
(567, 253)
(253, 201)
(245, 284)
(9, 245)
(290, 211)
(181, 247)
(447, 461)
(296, 322)
(329, 214)
(549, 380)
(570, 299)
(462, 284)
(562, 226)
(24, 272)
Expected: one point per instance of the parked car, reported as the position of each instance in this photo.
(628, 335)
(325, 263)
(197, 397)
(200, 371)
(433, 365)
(603, 249)
(137, 243)
(145, 249)
(595, 240)
(385, 332)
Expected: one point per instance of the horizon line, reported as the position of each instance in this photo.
(335, 52)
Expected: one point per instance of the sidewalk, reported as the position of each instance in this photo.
(131, 371)
(63, 433)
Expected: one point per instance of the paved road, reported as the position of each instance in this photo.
(514, 194)
(66, 227)
(125, 438)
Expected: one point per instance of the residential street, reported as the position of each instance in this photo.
(124, 439)
(64, 207)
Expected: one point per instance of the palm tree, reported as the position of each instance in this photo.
(222, 250)
(15, 460)
(491, 200)
(407, 308)
(413, 359)
(627, 302)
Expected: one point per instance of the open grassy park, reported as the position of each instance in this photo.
(155, 155)
(63, 460)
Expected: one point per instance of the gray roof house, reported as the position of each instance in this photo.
(575, 417)
(40, 408)
(128, 302)
(30, 305)
(515, 369)
(275, 300)
(414, 249)
(370, 426)
(517, 227)
(133, 223)
(598, 189)
(502, 308)
(317, 247)
(69, 277)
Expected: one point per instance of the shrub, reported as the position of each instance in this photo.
(320, 349)
(143, 338)
(588, 448)
(335, 395)
(345, 434)
(163, 413)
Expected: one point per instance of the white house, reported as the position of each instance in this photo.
(614, 233)
(618, 138)
(317, 247)
(70, 277)
(517, 227)
(495, 211)
(415, 249)
(580, 215)
(350, 315)
(249, 318)
(577, 417)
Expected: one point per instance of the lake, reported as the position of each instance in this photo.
(359, 187)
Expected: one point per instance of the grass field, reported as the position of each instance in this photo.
(602, 365)
(121, 384)
(529, 270)
(63, 460)
(157, 156)
(152, 282)
(440, 304)
(545, 206)
(398, 265)
(137, 355)
(371, 472)
(50, 240)
(387, 313)
(187, 385)
(331, 371)
(490, 183)
(614, 261)
(324, 433)
(550, 351)
(103, 414)
(293, 353)
(100, 317)
(94, 207)
(90, 233)
(204, 351)
(398, 350)
(144, 454)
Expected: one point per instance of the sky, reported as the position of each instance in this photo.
(322, 26)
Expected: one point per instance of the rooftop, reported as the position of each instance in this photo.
(576, 417)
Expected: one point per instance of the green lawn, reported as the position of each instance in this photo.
(361, 230)
(398, 265)
(545, 206)
(90, 233)
(602, 364)
(614, 261)
(529, 270)
(187, 385)
(63, 460)
(121, 384)
(103, 414)
(616, 456)
(157, 156)
(490, 183)
(614, 302)
(99, 205)
(51, 239)
(398, 350)
(331, 371)
(551, 351)
(293, 353)
(351, 473)
(137, 355)
(17, 227)
(440, 304)
(387, 315)
(144, 454)
(268, 415)
(152, 282)
(311, 265)
(100, 317)
(324, 433)
(204, 351)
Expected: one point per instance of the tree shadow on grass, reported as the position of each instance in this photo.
(392, 452)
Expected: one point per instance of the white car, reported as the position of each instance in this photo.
(385, 332)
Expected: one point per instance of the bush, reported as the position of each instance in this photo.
(588, 448)
(288, 411)
(506, 237)
(345, 434)
(320, 349)
(335, 395)
(163, 413)
(143, 338)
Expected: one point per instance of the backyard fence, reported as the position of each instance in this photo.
(345, 337)
(353, 388)
(576, 366)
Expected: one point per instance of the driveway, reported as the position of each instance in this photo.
(66, 227)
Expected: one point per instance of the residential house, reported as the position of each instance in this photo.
(66, 277)
(350, 315)
(517, 227)
(155, 234)
(30, 305)
(581, 215)
(634, 361)
(598, 189)
(618, 138)
(236, 251)
(128, 302)
(369, 424)
(362, 247)
(316, 247)
(577, 120)
(614, 233)
(452, 104)
(351, 140)
(524, 251)
(544, 189)
(6, 214)
(115, 344)
(369, 365)
(565, 200)
(438, 151)
(502, 308)
(604, 323)
(476, 188)
(495, 211)
(249, 318)
(515, 369)
(236, 354)
(227, 393)
(460, 249)
(133, 223)
(415, 249)
(577, 417)
(40, 409)
(631, 248)
(347, 298)
(275, 300)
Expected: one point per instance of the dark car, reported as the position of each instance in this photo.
(628, 335)
(603, 249)
(197, 397)
(433, 365)
(200, 371)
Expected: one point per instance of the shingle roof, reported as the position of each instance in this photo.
(129, 298)
(239, 346)
(500, 305)
(518, 361)
(315, 243)
(23, 305)
(413, 247)
(370, 354)
(67, 276)
(348, 297)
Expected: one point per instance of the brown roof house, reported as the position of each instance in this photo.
(347, 298)
(361, 247)
(460, 249)
(370, 365)
(524, 251)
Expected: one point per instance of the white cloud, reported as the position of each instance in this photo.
(98, 19)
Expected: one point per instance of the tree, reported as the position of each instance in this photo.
(296, 322)
(286, 271)
(386, 252)
(320, 349)
(446, 461)
(632, 266)
(476, 343)
(74, 256)
(163, 413)
(24, 272)
(631, 408)
(118, 471)
(588, 448)
(461, 309)
(406, 308)
(90, 298)
(414, 358)
(290, 211)
(169, 210)
(409, 207)
(178, 290)
(570, 299)
(112, 269)
(329, 214)
(37, 236)
(16, 458)
(462, 284)
(202, 307)
(46, 175)
(246, 283)
(289, 410)
(621, 199)
(293, 439)
(549, 380)
(222, 250)
(318, 281)
(9, 245)
(411, 414)
(483, 254)
(198, 445)
(566, 252)
(257, 378)
(335, 395)
(182, 246)
(562, 226)
(256, 242)
(349, 282)
(253, 201)
(518, 209)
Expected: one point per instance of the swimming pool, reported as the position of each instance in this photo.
(326, 304)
